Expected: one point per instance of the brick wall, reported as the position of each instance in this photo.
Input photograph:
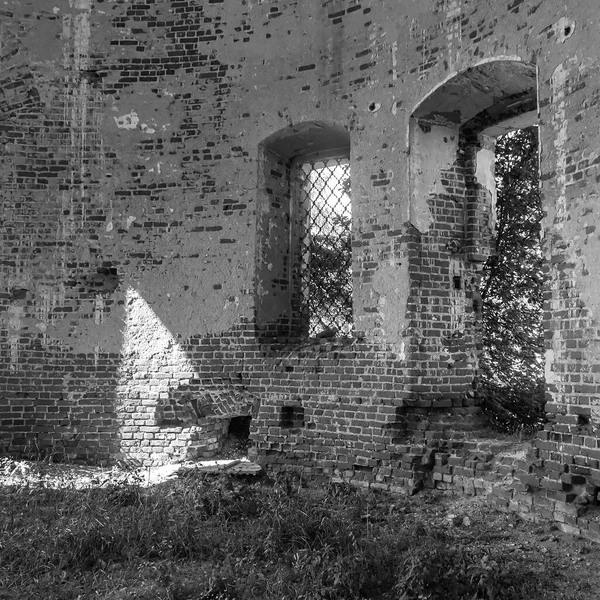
(144, 254)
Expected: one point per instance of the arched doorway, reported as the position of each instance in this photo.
(452, 135)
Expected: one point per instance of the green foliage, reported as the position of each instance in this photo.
(512, 291)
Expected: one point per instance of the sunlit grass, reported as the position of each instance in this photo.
(245, 539)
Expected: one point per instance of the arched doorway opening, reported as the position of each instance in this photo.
(453, 206)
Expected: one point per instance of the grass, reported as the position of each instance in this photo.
(203, 537)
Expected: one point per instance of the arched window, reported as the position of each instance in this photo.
(464, 116)
(304, 258)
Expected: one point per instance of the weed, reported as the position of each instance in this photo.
(207, 537)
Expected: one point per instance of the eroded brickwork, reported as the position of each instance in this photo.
(147, 242)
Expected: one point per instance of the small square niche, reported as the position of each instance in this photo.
(291, 417)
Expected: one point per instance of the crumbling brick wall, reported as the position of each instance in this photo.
(132, 142)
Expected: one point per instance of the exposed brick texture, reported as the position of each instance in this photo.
(148, 244)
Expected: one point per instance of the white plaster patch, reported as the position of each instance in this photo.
(391, 283)
(550, 375)
(560, 124)
(128, 121)
(432, 151)
(401, 350)
(394, 49)
(130, 221)
(484, 174)
(595, 409)
(564, 29)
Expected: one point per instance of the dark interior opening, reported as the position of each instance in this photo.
(239, 427)
(236, 444)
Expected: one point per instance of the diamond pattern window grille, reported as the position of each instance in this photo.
(326, 254)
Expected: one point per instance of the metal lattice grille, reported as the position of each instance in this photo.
(326, 256)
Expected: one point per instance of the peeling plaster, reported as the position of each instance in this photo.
(561, 125)
(549, 374)
(43, 42)
(592, 352)
(484, 173)
(433, 149)
(202, 309)
(587, 256)
(105, 334)
(571, 223)
(391, 284)
(128, 121)
(564, 29)
(144, 111)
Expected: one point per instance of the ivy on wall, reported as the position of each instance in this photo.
(512, 371)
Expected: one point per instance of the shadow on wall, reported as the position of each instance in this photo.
(165, 410)
(57, 393)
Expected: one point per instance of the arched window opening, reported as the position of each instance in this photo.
(326, 246)
(304, 251)
(512, 285)
(454, 136)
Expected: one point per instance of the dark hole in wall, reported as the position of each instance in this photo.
(363, 468)
(18, 294)
(105, 279)
(291, 417)
(238, 438)
(239, 427)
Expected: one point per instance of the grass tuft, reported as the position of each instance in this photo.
(205, 537)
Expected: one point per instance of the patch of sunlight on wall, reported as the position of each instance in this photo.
(153, 364)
